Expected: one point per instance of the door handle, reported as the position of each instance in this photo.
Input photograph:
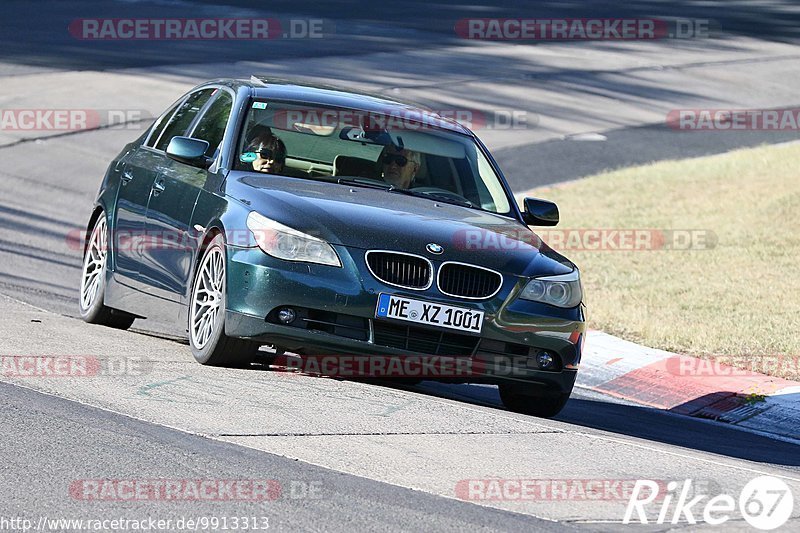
(127, 176)
(158, 187)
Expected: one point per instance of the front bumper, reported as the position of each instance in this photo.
(258, 284)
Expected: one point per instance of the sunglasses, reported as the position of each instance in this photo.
(266, 153)
(401, 160)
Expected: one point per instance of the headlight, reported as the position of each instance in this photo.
(287, 243)
(562, 291)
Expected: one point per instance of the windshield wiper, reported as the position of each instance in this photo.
(438, 197)
(379, 184)
(366, 182)
(255, 173)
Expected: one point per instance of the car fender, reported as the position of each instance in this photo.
(214, 214)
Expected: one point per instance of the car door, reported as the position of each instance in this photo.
(167, 267)
(138, 171)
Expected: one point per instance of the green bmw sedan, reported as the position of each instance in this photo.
(365, 236)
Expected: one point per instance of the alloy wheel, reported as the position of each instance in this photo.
(94, 265)
(207, 297)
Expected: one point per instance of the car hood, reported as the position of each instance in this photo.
(375, 219)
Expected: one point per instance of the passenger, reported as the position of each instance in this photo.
(399, 166)
(269, 149)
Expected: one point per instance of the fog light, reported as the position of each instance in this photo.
(287, 315)
(545, 360)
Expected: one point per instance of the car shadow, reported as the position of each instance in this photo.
(612, 416)
(680, 430)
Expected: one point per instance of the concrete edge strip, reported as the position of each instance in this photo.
(690, 386)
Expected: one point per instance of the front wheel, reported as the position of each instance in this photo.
(210, 345)
(541, 406)
(93, 282)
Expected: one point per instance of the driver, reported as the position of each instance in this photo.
(270, 152)
(399, 166)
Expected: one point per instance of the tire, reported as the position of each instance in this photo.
(93, 282)
(209, 344)
(541, 406)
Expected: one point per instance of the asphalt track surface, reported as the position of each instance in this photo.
(171, 454)
(374, 448)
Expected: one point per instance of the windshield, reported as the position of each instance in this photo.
(399, 153)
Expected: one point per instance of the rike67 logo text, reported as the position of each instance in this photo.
(765, 502)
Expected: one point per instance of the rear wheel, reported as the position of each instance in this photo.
(93, 282)
(542, 406)
(210, 345)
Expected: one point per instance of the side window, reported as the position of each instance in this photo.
(159, 127)
(211, 126)
(183, 117)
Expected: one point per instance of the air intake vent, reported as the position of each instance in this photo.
(401, 270)
(422, 340)
(467, 281)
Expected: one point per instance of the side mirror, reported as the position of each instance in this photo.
(189, 151)
(540, 212)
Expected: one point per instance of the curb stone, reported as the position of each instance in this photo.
(664, 380)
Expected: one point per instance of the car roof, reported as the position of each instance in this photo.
(312, 93)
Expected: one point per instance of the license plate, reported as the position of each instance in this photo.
(432, 314)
